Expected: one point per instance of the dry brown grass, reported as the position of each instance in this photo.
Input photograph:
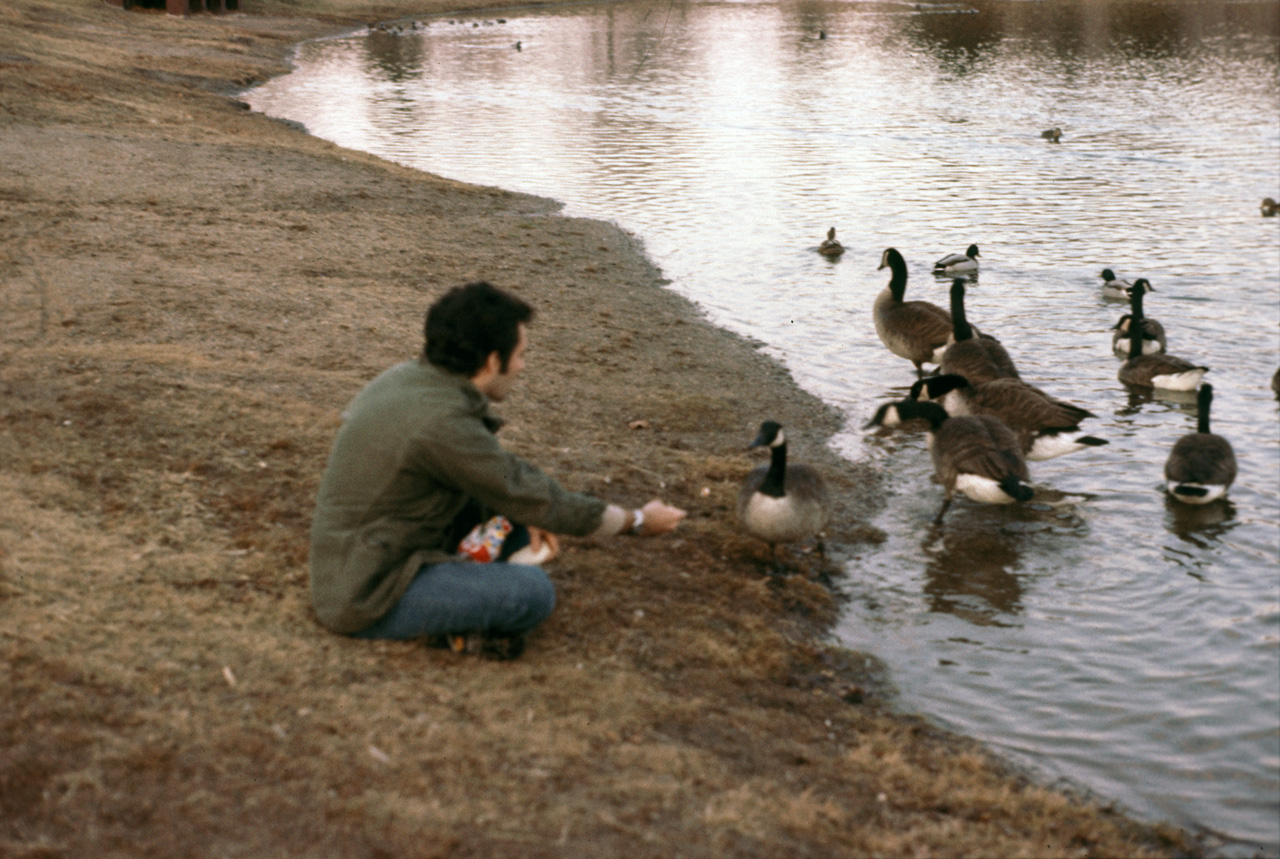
(190, 294)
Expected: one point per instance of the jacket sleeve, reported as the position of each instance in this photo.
(462, 453)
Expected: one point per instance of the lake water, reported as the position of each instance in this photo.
(1111, 640)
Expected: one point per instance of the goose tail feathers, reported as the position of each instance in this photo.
(1016, 489)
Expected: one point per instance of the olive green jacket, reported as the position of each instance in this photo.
(416, 447)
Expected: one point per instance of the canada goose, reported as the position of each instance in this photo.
(977, 455)
(1161, 370)
(1053, 135)
(966, 263)
(978, 359)
(1269, 207)
(780, 503)
(831, 247)
(1202, 465)
(1113, 287)
(1046, 427)
(1153, 339)
(915, 330)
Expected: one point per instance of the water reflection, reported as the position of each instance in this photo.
(1201, 525)
(971, 568)
(394, 58)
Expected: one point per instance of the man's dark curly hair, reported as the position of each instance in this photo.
(469, 323)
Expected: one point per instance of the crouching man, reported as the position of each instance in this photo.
(417, 488)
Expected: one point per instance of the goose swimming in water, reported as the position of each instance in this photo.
(1153, 339)
(1160, 370)
(1046, 426)
(1053, 135)
(1269, 207)
(781, 503)
(977, 455)
(1113, 287)
(978, 359)
(1202, 466)
(915, 330)
(966, 263)
(831, 247)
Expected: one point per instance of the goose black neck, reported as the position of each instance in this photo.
(1203, 400)
(898, 282)
(1135, 324)
(775, 480)
(928, 410)
(959, 324)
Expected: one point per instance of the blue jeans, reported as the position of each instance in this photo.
(456, 597)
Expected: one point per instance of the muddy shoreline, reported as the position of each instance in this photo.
(191, 294)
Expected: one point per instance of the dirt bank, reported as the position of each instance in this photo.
(190, 294)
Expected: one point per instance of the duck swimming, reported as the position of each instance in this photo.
(966, 263)
(1113, 287)
(831, 247)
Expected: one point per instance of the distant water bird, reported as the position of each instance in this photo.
(831, 248)
(1269, 207)
(915, 330)
(1202, 466)
(781, 503)
(518, 47)
(1046, 426)
(965, 263)
(1113, 287)
(1053, 135)
(1160, 370)
(978, 359)
(976, 455)
(1275, 383)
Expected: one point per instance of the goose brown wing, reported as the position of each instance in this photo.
(1024, 406)
(1146, 367)
(1201, 458)
(979, 360)
(977, 444)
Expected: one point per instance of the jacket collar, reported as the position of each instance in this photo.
(478, 404)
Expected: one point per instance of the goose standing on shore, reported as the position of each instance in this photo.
(977, 455)
(1046, 426)
(915, 330)
(965, 263)
(1153, 339)
(1163, 371)
(831, 248)
(1113, 287)
(979, 359)
(1202, 466)
(781, 503)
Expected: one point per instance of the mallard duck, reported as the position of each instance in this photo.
(1160, 370)
(1053, 135)
(1046, 427)
(1269, 207)
(781, 503)
(831, 247)
(966, 263)
(978, 359)
(1202, 466)
(915, 330)
(977, 455)
(1113, 287)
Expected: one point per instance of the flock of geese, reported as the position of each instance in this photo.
(985, 421)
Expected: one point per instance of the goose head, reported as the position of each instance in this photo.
(897, 413)
(770, 435)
